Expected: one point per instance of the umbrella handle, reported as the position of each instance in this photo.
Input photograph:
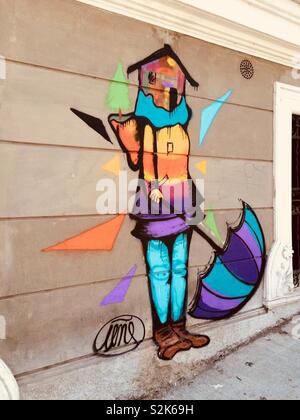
(196, 229)
(212, 243)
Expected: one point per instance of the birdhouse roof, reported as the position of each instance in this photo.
(166, 51)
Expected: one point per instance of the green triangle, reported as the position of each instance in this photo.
(118, 98)
(120, 75)
(210, 222)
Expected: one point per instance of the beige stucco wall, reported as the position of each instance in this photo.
(62, 54)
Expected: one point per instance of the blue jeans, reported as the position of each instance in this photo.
(167, 262)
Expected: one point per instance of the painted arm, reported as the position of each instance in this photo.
(127, 134)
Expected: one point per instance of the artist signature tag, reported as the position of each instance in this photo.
(119, 336)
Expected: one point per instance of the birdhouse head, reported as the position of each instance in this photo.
(163, 75)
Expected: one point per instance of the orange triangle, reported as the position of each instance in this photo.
(99, 238)
(202, 166)
(113, 166)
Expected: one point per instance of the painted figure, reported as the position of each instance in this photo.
(157, 144)
(167, 209)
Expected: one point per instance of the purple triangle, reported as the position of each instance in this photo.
(119, 293)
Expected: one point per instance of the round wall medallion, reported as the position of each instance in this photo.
(247, 69)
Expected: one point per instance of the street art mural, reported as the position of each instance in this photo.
(168, 209)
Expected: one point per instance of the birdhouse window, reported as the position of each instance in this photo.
(152, 78)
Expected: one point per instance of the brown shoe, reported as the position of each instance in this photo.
(197, 341)
(170, 343)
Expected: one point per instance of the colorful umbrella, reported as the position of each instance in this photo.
(236, 272)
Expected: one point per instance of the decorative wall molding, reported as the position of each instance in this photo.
(288, 10)
(9, 389)
(279, 287)
(262, 28)
(279, 278)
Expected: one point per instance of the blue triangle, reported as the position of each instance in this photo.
(209, 114)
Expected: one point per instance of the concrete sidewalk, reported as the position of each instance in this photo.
(247, 358)
(267, 369)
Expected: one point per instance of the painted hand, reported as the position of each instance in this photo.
(156, 196)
